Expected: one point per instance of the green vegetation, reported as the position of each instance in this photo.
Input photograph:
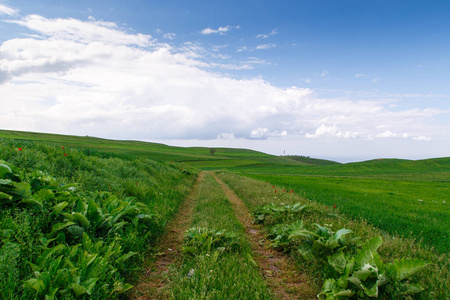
(195, 156)
(217, 263)
(81, 204)
(414, 209)
(74, 225)
(342, 254)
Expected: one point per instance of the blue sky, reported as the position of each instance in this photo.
(345, 80)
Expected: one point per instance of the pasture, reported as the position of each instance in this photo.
(400, 206)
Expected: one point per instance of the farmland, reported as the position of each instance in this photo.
(399, 207)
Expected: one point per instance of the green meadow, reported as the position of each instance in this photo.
(71, 202)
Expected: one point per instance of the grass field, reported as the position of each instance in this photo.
(414, 209)
(406, 202)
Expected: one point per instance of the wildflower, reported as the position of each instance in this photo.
(65, 154)
(191, 273)
(20, 149)
(63, 147)
(326, 207)
(136, 183)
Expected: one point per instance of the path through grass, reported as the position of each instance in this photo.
(213, 270)
(285, 281)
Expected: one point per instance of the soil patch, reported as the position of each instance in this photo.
(152, 282)
(278, 270)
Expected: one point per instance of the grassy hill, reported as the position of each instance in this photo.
(198, 157)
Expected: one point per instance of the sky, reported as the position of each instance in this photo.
(347, 80)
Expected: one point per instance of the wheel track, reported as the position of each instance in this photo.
(152, 282)
(278, 270)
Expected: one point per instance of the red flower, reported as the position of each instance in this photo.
(65, 154)
(326, 207)
(63, 147)
(20, 149)
(136, 183)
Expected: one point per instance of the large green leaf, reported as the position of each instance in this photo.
(42, 259)
(78, 218)
(368, 254)
(340, 233)
(60, 226)
(4, 169)
(78, 290)
(21, 190)
(35, 284)
(59, 207)
(94, 213)
(405, 267)
(338, 262)
(4, 196)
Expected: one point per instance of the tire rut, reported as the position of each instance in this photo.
(278, 270)
(152, 282)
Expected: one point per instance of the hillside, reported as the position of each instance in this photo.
(199, 157)
(249, 161)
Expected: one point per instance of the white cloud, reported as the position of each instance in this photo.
(9, 11)
(169, 35)
(387, 134)
(82, 32)
(220, 30)
(93, 78)
(422, 138)
(264, 36)
(324, 74)
(331, 131)
(242, 49)
(265, 46)
(264, 133)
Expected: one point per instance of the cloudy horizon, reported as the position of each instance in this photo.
(76, 73)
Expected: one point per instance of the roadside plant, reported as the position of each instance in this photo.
(201, 240)
(274, 214)
(366, 275)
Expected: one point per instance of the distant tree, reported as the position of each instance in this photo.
(212, 151)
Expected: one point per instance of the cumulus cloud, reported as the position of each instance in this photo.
(331, 131)
(264, 133)
(220, 30)
(9, 11)
(91, 77)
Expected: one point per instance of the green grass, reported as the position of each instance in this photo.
(197, 156)
(216, 274)
(121, 204)
(373, 197)
(256, 193)
(437, 169)
(418, 210)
